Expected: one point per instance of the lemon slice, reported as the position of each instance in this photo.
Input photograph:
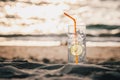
(76, 49)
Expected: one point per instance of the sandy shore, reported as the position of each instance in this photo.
(28, 61)
(59, 53)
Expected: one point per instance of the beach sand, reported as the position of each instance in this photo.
(24, 70)
(31, 61)
(50, 63)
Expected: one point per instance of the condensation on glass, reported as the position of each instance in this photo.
(76, 44)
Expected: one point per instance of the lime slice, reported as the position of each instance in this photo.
(76, 49)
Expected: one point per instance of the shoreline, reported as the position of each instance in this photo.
(58, 53)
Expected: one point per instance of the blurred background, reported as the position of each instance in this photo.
(37, 29)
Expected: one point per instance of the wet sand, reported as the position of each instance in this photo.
(59, 53)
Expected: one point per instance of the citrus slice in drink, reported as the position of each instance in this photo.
(76, 49)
